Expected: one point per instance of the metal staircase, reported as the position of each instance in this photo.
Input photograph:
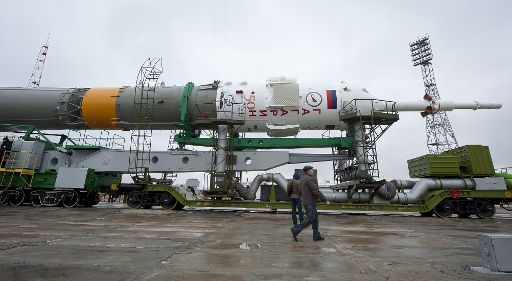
(368, 119)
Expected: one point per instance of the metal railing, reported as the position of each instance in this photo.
(370, 106)
(507, 170)
(18, 162)
(105, 139)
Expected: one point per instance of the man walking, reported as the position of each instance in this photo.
(310, 195)
(294, 194)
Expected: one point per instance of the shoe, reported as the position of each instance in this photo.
(318, 239)
(294, 235)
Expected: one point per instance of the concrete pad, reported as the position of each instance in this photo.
(113, 242)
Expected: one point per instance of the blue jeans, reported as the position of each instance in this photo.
(312, 220)
(297, 206)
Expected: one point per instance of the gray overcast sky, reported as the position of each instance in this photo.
(103, 43)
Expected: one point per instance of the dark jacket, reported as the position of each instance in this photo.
(293, 189)
(310, 192)
(6, 146)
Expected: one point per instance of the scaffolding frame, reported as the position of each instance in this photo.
(144, 101)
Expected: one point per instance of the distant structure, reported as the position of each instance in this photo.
(101, 138)
(440, 135)
(35, 78)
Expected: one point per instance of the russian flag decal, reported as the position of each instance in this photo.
(332, 101)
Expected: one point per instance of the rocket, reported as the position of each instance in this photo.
(280, 106)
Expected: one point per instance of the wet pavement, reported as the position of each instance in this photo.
(113, 242)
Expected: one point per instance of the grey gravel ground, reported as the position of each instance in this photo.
(113, 242)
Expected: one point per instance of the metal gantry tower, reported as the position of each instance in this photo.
(144, 101)
(440, 135)
(35, 78)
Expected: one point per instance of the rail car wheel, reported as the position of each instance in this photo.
(485, 209)
(134, 200)
(169, 202)
(443, 209)
(17, 197)
(70, 199)
(427, 214)
(35, 197)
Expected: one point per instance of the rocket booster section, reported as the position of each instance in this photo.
(279, 107)
(86, 108)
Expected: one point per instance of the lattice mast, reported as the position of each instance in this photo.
(144, 101)
(440, 135)
(35, 78)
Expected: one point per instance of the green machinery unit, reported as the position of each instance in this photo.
(465, 161)
(31, 172)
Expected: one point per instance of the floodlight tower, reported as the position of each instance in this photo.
(440, 135)
(35, 78)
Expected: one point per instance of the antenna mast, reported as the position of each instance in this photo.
(35, 79)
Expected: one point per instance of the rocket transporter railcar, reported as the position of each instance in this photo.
(42, 172)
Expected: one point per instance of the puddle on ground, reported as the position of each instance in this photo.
(329, 250)
(231, 246)
(258, 261)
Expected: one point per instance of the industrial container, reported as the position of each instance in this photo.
(431, 165)
(474, 160)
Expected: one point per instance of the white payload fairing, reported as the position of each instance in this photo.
(279, 107)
